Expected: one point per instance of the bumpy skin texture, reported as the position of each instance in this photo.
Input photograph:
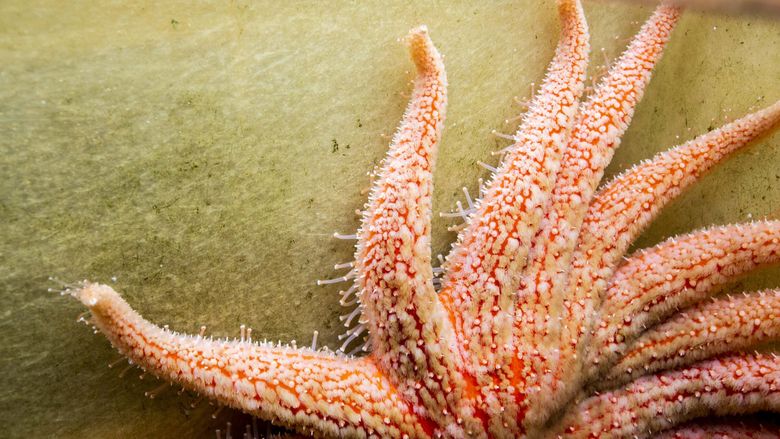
(723, 430)
(541, 328)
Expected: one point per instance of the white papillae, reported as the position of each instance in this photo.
(655, 283)
(710, 429)
(701, 332)
(298, 388)
(543, 292)
(730, 385)
(542, 328)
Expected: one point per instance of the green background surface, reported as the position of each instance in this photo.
(204, 153)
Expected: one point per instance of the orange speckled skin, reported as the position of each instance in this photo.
(542, 326)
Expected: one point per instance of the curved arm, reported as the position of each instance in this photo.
(728, 386)
(412, 339)
(699, 333)
(297, 388)
(622, 209)
(654, 283)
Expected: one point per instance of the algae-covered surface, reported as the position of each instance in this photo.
(203, 154)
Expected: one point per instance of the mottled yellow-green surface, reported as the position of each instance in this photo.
(203, 154)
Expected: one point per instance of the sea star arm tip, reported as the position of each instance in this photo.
(299, 388)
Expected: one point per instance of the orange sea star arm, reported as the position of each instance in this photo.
(603, 119)
(656, 282)
(483, 268)
(482, 271)
(302, 389)
(412, 340)
(622, 209)
(701, 332)
(732, 385)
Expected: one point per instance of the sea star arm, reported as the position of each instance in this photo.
(482, 271)
(412, 340)
(622, 209)
(701, 332)
(722, 430)
(312, 392)
(654, 283)
(603, 119)
(739, 384)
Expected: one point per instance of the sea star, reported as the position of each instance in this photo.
(541, 326)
